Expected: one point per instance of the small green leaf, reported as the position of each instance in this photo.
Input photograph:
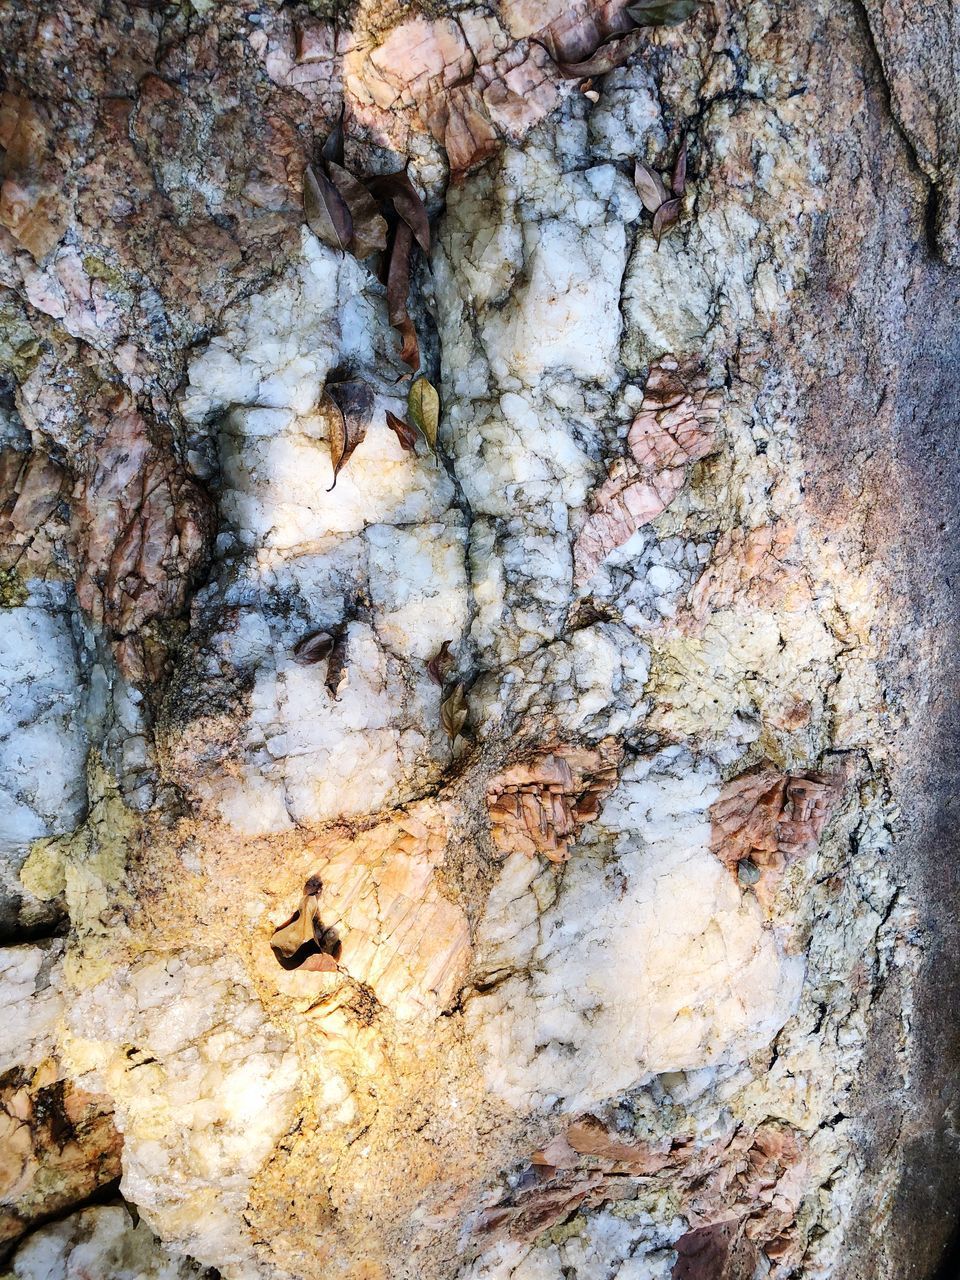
(423, 404)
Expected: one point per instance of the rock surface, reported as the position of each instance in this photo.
(511, 847)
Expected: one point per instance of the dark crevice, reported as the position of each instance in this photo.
(930, 217)
(108, 1193)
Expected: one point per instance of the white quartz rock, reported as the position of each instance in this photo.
(651, 959)
(203, 1085)
(42, 744)
(101, 1242)
(31, 1003)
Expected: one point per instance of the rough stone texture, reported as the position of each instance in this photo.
(652, 970)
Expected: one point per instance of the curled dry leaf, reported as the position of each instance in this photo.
(337, 666)
(312, 648)
(398, 188)
(423, 403)
(453, 712)
(612, 53)
(666, 217)
(398, 287)
(678, 180)
(403, 431)
(662, 13)
(440, 663)
(325, 210)
(303, 942)
(369, 225)
(650, 187)
(348, 406)
(332, 149)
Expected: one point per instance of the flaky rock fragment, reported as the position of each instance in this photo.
(59, 1145)
(676, 426)
(716, 1252)
(385, 915)
(32, 487)
(58, 1141)
(142, 529)
(741, 1192)
(536, 806)
(33, 204)
(765, 820)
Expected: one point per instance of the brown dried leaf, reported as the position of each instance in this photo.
(613, 52)
(423, 404)
(305, 936)
(453, 712)
(337, 666)
(678, 181)
(332, 149)
(350, 404)
(650, 187)
(403, 431)
(406, 200)
(312, 648)
(325, 212)
(369, 225)
(398, 287)
(300, 930)
(667, 216)
(440, 663)
(662, 13)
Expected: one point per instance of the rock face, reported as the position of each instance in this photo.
(510, 845)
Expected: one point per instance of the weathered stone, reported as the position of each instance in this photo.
(624, 974)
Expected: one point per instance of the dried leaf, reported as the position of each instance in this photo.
(302, 928)
(332, 149)
(453, 712)
(613, 52)
(349, 405)
(679, 179)
(369, 225)
(423, 404)
(337, 666)
(662, 13)
(650, 187)
(326, 213)
(403, 431)
(666, 217)
(440, 663)
(406, 200)
(312, 648)
(303, 941)
(398, 287)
